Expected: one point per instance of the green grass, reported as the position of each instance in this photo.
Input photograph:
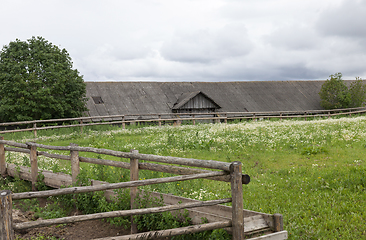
(312, 172)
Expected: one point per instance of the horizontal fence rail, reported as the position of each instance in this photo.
(229, 172)
(49, 222)
(24, 148)
(110, 186)
(175, 118)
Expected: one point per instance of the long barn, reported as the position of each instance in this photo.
(123, 98)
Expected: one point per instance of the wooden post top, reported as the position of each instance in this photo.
(4, 193)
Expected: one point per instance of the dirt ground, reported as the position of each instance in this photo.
(75, 231)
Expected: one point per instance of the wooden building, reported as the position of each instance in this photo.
(123, 98)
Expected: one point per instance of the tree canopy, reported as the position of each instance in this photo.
(335, 94)
(37, 82)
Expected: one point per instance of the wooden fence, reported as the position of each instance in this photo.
(172, 118)
(228, 172)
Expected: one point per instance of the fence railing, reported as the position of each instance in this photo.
(229, 172)
(174, 118)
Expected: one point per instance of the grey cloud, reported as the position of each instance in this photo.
(294, 38)
(346, 20)
(208, 45)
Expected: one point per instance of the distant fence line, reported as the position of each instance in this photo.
(174, 118)
(230, 172)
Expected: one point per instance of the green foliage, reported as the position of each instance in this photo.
(168, 220)
(313, 149)
(37, 82)
(95, 202)
(334, 93)
(40, 185)
(358, 93)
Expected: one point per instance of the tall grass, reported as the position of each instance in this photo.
(312, 172)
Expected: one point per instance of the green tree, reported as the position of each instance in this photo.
(334, 93)
(37, 82)
(358, 93)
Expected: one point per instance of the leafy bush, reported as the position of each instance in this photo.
(334, 93)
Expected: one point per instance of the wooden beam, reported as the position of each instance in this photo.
(103, 187)
(80, 218)
(148, 157)
(14, 144)
(172, 232)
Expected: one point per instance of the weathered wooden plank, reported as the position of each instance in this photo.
(106, 162)
(52, 155)
(17, 150)
(221, 210)
(185, 171)
(171, 232)
(254, 223)
(272, 236)
(55, 180)
(155, 158)
(14, 144)
(65, 148)
(185, 161)
(103, 187)
(80, 218)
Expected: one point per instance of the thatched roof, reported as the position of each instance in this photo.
(116, 98)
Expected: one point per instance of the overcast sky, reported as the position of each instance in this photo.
(197, 40)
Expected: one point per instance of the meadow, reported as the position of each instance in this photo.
(312, 172)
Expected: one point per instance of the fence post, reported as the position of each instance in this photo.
(123, 122)
(328, 115)
(225, 118)
(237, 201)
(193, 120)
(35, 129)
(75, 164)
(6, 218)
(278, 222)
(34, 166)
(2, 159)
(254, 119)
(159, 120)
(81, 127)
(134, 176)
(305, 113)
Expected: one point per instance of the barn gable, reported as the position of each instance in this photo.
(195, 102)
